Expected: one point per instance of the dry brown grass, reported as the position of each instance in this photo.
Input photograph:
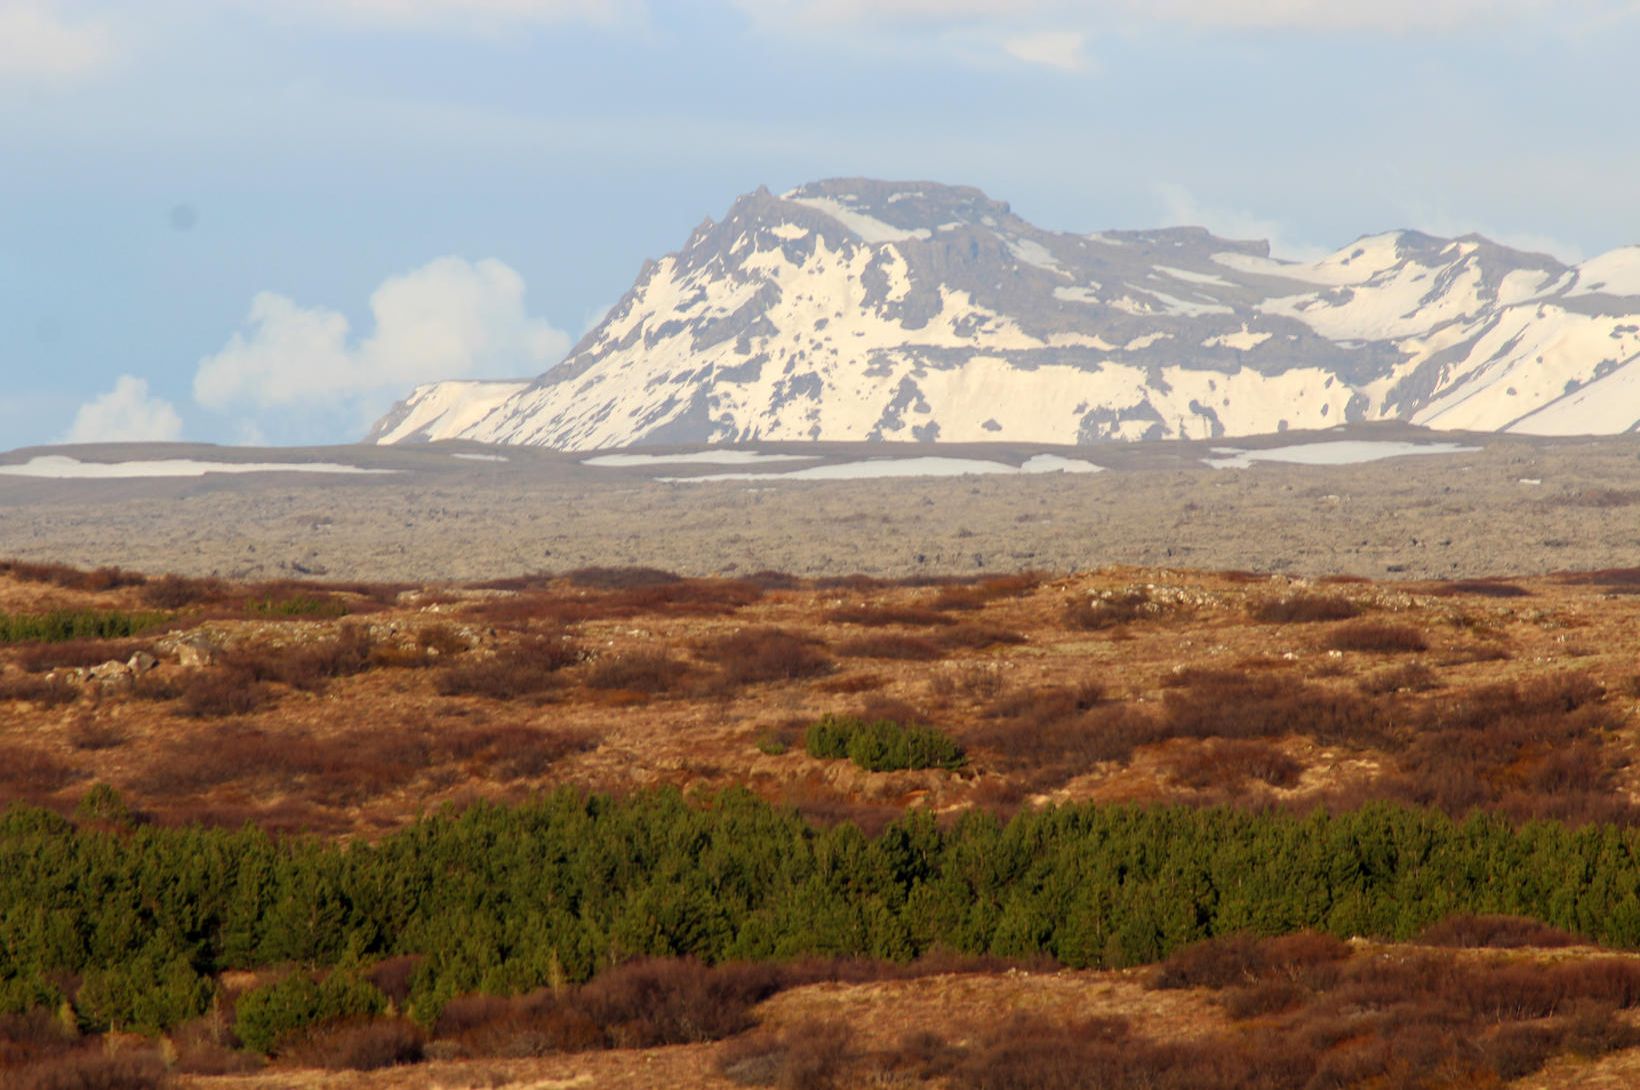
(1174, 692)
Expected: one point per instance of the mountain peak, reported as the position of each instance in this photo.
(853, 308)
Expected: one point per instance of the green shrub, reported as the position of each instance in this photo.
(103, 803)
(59, 626)
(882, 745)
(270, 1013)
(149, 993)
(300, 605)
(21, 994)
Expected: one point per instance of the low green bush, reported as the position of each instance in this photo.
(61, 625)
(882, 745)
(150, 993)
(268, 1014)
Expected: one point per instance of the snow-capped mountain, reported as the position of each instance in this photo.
(858, 310)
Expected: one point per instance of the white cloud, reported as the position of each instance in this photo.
(451, 318)
(1348, 15)
(40, 43)
(484, 16)
(1061, 49)
(1180, 208)
(125, 414)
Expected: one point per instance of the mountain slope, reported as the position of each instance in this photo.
(858, 310)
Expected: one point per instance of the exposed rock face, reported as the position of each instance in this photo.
(859, 310)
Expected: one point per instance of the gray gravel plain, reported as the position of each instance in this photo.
(1520, 505)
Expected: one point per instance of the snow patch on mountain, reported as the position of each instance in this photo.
(442, 410)
(867, 310)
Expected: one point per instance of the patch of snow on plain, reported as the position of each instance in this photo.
(701, 457)
(929, 466)
(62, 467)
(1053, 463)
(869, 228)
(1343, 452)
(481, 457)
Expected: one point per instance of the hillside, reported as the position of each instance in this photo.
(618, 828)
(852, 310)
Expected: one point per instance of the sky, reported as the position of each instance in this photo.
(264, 221)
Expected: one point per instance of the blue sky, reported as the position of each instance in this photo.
(249, 221)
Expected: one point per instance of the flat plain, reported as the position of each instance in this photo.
(1518, 505)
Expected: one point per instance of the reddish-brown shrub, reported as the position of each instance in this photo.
(392, 976)
(774, 580)
(28, 772)
(350, 768)
(879, 709)
(978, 595)
(1529, 750)
(690, 598)
(307, 666)
(1037, 708)
(891, 645)
(91, 1069)
(679, 598)
(1109, 611)
(69, 577)
(1603, 577)
(87, 732)
(38, 690)
(525, 668)
(652, 672)
(1376, 636)
(1244, 959)
(886, 616)
(1504, 932)
(755, 655)
(511, 752)
(1480, 588)
(808, 1055)
(177, 592)
(72, 654)
(1262, 998)
(207, 1045)
(33, 1035)
(975, 637)
(652, 1002)
(1050, 751)
(1235, 704)
(357, 1045)
(220, 691)
(1227, 764)
(621, 578)
(1411, 677)
(1303, 608)
(852, 683)
(978, 681)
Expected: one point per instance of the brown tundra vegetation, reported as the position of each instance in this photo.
(345, 710)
